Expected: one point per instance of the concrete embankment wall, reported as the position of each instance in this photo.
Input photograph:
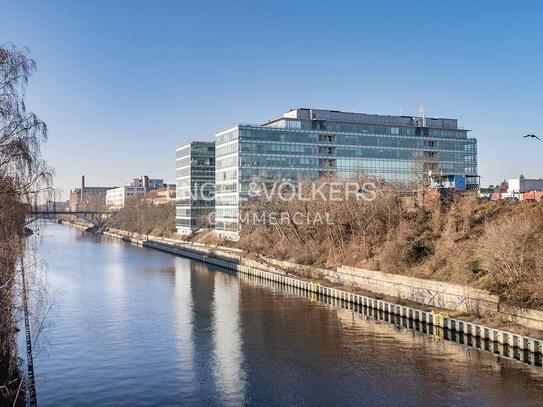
(436, 293)
(529, 318)
(276, 270)
(439, 294)
(453, 297)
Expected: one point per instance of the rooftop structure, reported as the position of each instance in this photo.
(364, 118)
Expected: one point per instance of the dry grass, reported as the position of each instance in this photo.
(210, 238)
(492, 245)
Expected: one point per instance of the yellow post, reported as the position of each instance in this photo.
(439, 318)
(313, 286)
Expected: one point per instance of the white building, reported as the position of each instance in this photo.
(522, 184)
(116, 198)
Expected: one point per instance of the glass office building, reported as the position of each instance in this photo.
(310, 143)
(195, 177)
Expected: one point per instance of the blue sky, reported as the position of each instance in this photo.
(120, 84)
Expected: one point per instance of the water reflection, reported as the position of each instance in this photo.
(229, 374)
(182, 304)
(202, 288)
(135, 326)
(439, 333)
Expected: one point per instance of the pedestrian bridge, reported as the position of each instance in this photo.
(96, 218)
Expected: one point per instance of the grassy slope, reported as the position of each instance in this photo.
(493, 245)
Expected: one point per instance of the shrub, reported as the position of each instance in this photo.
(510, 250)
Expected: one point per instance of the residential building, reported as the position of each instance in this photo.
(522, 184)
(88, 198)
(161, 196)
(500, 193)
(311, 143)
(195, 176)
(116, 198)
(520, 189)
(146, 182)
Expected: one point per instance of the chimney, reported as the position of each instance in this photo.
(82, 187)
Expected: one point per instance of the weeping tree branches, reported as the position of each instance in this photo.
(21, 132)
(23, 174)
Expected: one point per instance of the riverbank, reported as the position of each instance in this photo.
(489, 327)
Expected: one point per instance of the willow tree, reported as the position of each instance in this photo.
(23, 174)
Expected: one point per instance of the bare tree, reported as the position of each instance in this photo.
(23, 175)
(422, 168)
(511, 251)
(141, 216)
(334, 228)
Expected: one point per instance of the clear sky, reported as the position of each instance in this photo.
(120, 84)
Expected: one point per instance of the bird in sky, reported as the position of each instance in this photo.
(532, 136)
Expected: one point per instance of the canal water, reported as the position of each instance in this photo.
(132, 326)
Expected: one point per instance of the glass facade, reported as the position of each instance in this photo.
(195, 177)
(291, 148)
